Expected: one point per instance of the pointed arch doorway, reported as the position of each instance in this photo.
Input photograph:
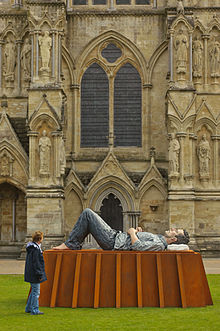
(113, 207)
(13, 214)
(111, 211)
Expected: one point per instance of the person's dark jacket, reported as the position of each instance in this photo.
(34, 265)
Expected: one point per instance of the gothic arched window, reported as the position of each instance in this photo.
(127, 107)
(111, 104)
(94, 107)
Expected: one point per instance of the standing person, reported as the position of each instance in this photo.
(204, 152)
(215, 58)
(44, 148)
(26, 59)
(174, 150)
(45, 43)
(34, 272)
(181, 45)
(197, 58)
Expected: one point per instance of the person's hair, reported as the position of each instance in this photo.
(182, 239)
(37, 236)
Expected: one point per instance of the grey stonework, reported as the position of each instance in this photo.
(113, 143)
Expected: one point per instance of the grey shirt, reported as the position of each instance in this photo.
(146, 242)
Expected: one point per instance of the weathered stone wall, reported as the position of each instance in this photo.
(72, 209)
(44, 214)
(175, 51)
(154, 213)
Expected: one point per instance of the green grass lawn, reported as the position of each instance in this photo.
(13, 293)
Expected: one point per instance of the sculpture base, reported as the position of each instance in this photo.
(97, 278)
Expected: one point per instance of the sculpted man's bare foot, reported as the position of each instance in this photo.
(62, 246)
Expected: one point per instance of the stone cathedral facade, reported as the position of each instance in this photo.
(112, 105)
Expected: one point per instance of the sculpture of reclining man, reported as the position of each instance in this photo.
(110, 239)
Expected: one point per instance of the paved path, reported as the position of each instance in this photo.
(16, 267)
(212, 266)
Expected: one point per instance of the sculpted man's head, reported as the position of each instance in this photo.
(177, 236)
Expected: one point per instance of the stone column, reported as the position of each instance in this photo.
(171, 55)
(18, 42)
(75, 118)
(215, 140)
(56, 153)
(1, 44)
(190, 58)
(205, 37)
(59, 65)
(111, 104)
(191, 161)
(130, 219)
(32, 56)
(189, 176)
(32, 157)
(147, 117)
(111, 4)
(36, 55)
(14, 219)
(181, 136)
(53, 58)
(56, 55)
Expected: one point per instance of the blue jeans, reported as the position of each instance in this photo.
(90, 222)
(33, 300)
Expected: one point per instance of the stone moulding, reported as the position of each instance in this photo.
(117, 12)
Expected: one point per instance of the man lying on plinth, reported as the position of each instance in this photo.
(110, 239)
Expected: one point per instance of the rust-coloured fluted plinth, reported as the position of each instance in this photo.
(97, 278)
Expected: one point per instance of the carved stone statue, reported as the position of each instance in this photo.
(45, 44)
(204, 156)
(26, 59)
(44, 149)
(215, 58)
(62, 157)
(180, 7)
(197, 58)
(181, 45)
(4, 169)
(174, 150)
(9, 61)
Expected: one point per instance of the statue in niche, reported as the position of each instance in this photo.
(26, 59)
(180, 7)
(181, 45)
(204, 156)
(174, 150)
(45, 44)
(44, 149)
(62, 157)
(197, 58)
(5, 169)
(215, 58)
(9, 60)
